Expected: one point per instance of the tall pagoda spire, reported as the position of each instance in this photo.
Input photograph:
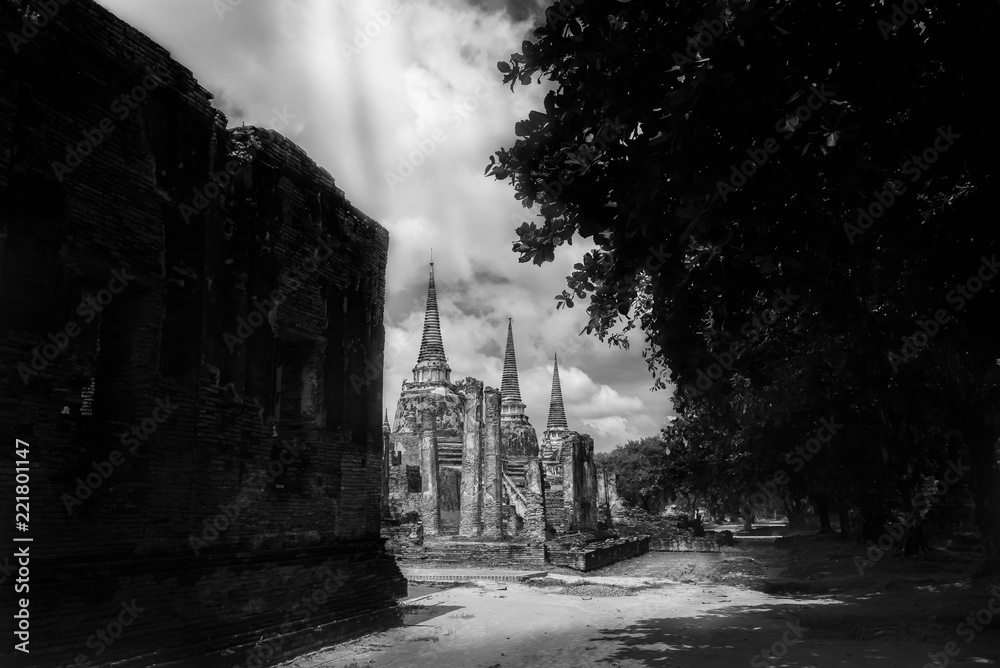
(557, 414)
(511, 406)
(432, 365)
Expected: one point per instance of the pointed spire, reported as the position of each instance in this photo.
(431, 347)
(557, 414)
(510, 389)
(385, 422)
(431, 362)
(511, 406)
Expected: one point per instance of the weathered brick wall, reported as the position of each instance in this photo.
(579, 485)
(597, 554)
(251, 501)
(520, 440)
(430, 508)
(442, 552)
(535, 524)
(472, 458)
(416, 398)
(403, 480)
(492, 468)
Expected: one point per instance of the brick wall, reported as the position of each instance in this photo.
(252, 507)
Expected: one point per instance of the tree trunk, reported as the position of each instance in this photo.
(874, 516)
(793, 511)
(748, 517)
(844, 516)
(821, 502)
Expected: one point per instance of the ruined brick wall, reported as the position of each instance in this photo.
(405, 485)
(472, 458)
(448, 406)
(492, 466)
(520, 440)
(579, 483)
(535, 520)
(183, 309)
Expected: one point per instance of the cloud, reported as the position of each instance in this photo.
(615, 429)
(368, 88)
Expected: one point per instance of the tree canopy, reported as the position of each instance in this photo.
(789, 201)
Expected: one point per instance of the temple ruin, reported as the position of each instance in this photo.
(466, 478)
(184, 305)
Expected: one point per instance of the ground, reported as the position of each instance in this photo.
(801, 598)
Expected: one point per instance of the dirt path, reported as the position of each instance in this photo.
(642, 615)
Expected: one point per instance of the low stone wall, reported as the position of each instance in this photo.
(598, 554)
(684, 544)
(400, 535)
(482, 554)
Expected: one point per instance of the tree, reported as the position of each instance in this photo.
(640, 467)
(796, 193)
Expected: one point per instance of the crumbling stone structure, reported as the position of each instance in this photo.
(184, 307)
(492, 503)
(579, 483)
(519, 437)
(489, 445)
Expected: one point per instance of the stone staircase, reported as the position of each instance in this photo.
(516, 496)
(515, 469)
(450, 454)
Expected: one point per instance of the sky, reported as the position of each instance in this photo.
(401, 101)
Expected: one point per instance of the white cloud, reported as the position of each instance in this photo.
(615, 429)
(357, 114)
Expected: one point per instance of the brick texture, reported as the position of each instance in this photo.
(254, 308)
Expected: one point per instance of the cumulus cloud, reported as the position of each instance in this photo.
(615, 429)
(373, 93)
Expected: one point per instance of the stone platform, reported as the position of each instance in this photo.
(597, 554)
(685, 544)
(459, 551)
(440, 575)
